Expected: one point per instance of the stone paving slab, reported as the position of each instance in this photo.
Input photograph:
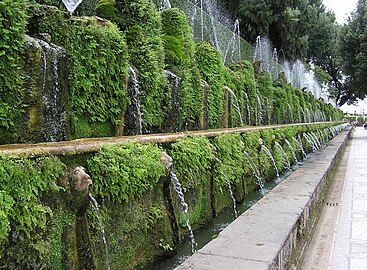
(265, 235)
(212, 262)
(350, 246)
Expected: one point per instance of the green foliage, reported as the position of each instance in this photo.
(230, 153)
(212, 71)
(192, 160)
(13, 21)
(6, 203)
(27, 182)
(246, 85)
(141, 22)
(179, 51)
(353, 38)
(123, 172)
(98, 62)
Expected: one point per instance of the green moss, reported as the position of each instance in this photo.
(192, 158)
(61, 223)
(141, 22)
(136, 231)
(6, 203)
(32, 185)
(83, 127)
(123, 172)
(13, 21)
(98, 63)
(230, 167)
(212, 71)
(179, 57)
(244, 80)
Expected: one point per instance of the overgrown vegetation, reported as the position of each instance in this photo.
(25, 184)
(179, 57)
(124, 172)
(98, 65)
(13, 20)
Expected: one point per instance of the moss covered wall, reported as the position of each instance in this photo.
(99, 53)
(141, 212)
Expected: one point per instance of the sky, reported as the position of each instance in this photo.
(342, 9)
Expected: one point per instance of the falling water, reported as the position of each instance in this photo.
(274, 69)
(284, 156)
(259, 111)
(164, 4)
(248, 113)
(254, 169)
(234, 42)
(292, 150)
(134, 116)
(310, 141)
(51, 72)
(267, 151)
(308, 116)
(235, 104)
(174, 82)
(326, 134)
(178, 189)
(268, 111)
(228, 182)
(301, 115)
(71, 5)
(300, 146)
(96, 210)
(316, 139)
(290, 114)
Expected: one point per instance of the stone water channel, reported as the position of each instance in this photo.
(205, 235)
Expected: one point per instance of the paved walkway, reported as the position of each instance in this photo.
(349, 250)
(340, 238)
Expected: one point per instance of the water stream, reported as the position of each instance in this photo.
(248, 113)
(205, 235)
(267, 151)
(71, 5)
(254, 169)
(292, 150)
(235, 104)
(185, 208)
(228, 182)
(133, 125)
(174, 83)
(284, 156)
(300, 146)
(96, 210)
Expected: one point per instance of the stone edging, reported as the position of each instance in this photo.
(273, 232)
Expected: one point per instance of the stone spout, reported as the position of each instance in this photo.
(166, 160)
(80, 181)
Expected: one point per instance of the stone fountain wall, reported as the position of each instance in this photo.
(141, 213)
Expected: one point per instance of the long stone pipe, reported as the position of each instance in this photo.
(90, 145)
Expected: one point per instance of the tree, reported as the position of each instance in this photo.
(353, 54)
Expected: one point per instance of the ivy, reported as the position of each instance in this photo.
(122, 172)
